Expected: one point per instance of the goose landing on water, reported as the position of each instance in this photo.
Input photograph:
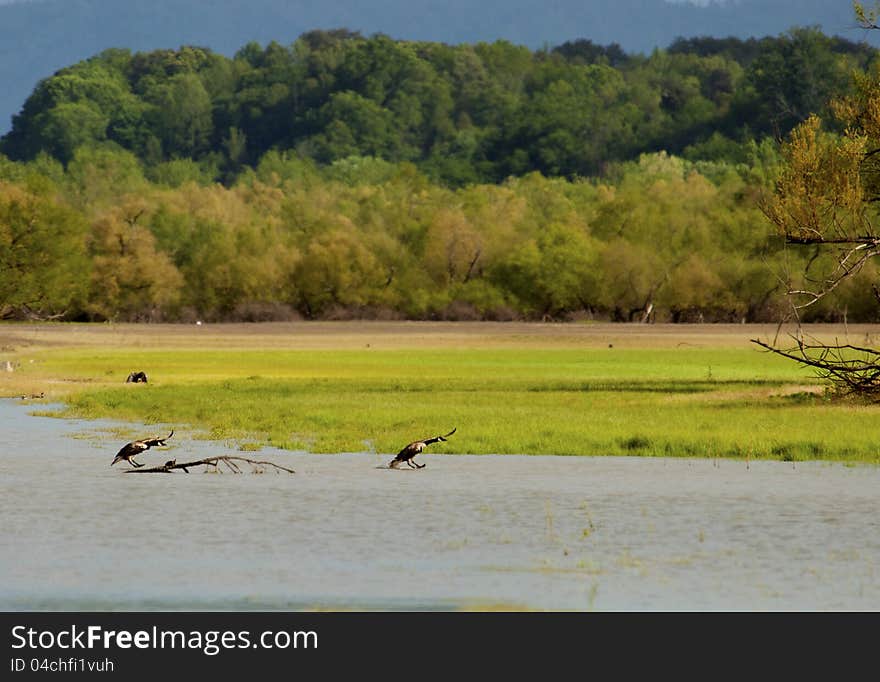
(414, 448)
(128, 452)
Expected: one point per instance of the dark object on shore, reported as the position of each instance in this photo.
(136, 378)
(228, 460)
(414, 448)
(130, 450)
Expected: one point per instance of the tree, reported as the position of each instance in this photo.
(42, 253)
(181, 114)
(131, 279)
(553, 274)
(793, 78)
(337, 270)
(825, 200)
(355, 126)
(98, 175)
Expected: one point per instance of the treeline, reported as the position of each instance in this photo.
(347, 177)
(462, 114)
(660, 239)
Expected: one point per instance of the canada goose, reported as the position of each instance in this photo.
(128, 452)
(414, 448)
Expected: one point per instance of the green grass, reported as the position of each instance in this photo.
(535, 399)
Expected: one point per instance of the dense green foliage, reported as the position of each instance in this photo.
(466, 113)
(348, 176)
(365, 238)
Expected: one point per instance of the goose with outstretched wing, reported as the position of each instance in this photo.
(136, 447)
(414, 448)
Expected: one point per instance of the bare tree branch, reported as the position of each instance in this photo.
(845, 269)
(229, 461)
(852, 370)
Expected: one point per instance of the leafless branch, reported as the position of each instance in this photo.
(849, 264)
(229, 461)
(852, 370)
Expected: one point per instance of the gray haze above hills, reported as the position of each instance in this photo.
(38, 37)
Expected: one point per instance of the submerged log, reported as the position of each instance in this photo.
(229, 461)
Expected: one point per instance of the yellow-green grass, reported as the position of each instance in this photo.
(582, 390)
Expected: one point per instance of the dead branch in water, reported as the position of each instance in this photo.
(228, 460)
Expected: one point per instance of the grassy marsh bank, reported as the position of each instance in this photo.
(657, 390)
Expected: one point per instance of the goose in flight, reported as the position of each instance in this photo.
(128, 451)
(414, 448)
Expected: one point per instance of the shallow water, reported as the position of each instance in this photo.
(466, 532)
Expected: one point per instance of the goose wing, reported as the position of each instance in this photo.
(410, 450)
(152, 442)
(131, 449)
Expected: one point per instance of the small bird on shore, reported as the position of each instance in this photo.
(414, 448)
(136, 447)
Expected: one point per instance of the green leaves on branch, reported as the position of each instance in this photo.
(819, 196)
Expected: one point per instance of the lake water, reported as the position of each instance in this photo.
(466, 532)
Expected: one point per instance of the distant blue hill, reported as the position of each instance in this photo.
(38, 37)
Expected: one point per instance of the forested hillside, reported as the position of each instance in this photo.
(37, 37)
(462, 114)
(351, 176)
